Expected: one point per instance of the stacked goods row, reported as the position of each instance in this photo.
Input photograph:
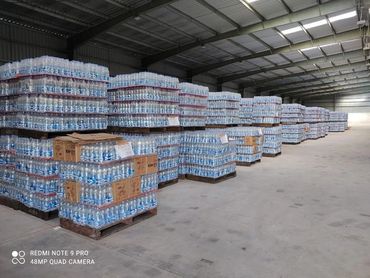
(338, 121)
(53, 95)
(248, 142)
(193, 105)
(327, 120)
(292, 113)
(143, 100)
(207, 155)
(223, 108)
(103, 181)
(272, 140)
(28, 173)
(167, 148)
(306, 133)
(267, 110)
(246, 111)
(293, 133)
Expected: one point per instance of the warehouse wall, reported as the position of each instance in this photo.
(18, 42)
(356, 105)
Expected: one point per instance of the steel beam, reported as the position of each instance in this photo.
(346, 36)
(307, 13)
(327, 85)
(346, 67)
(350, 90)
(317, 92)
(347, 55)
(92, 32)
(300, 82)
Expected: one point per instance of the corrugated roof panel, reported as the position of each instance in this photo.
(250, 43)
(295, 69)
(231, 47)
(313, 52)
(180, 22)
(332, 49)
(269, 9)
(277, 59)
(240, 14)
(352, 45)
(272, 38)
(294, 56)
(260, 62)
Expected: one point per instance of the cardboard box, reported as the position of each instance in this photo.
(253, 140)
(72, 191)
(126, 189)
(68, 148)
(144, 165)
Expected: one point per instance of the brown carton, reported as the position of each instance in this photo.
(68, 148)
(145, 165)
(72, 191)
(126, 188)
(252, 140)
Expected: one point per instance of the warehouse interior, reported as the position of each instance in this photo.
(305, 213)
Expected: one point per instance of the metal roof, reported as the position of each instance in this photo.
(272, 45)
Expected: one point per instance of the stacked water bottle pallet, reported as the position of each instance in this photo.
(104, 185)
(266, 111)
(223, 109)
(316, 117)
(248, 142)
(292, 113)
(246, 112)
(293, 133)
(193, 106)
(272, 141)
(207, 156)
(144, 100)
(167, 147)
(29, 177)
(338, 121)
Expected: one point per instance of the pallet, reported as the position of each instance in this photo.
(266, 125)
(14, 204)
(220, 126)
(167, 183)
(210, 180)
(192, 128)
(291, 143)
(145, 130)
(42, 134)
(240, 163)
(108, 230)
(182, 177)
(271, 154)
(245, 125)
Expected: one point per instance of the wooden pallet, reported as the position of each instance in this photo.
(244, 125)
(167, 183)
(220, 126)
(271, 154)
(182, 177)
(14, 204)
(241, 163)
(266, 125)
(143, 129)
(291, 143)
(192, 128)
(108, 230)
(210, 180)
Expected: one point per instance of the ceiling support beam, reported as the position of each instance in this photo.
(346, 36)
(308, 13)
(327, 85)
(332, 89)
(313, 79)
(349, 89)
(348, 55)
(346, 67)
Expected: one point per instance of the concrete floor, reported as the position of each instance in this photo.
(303, 214)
